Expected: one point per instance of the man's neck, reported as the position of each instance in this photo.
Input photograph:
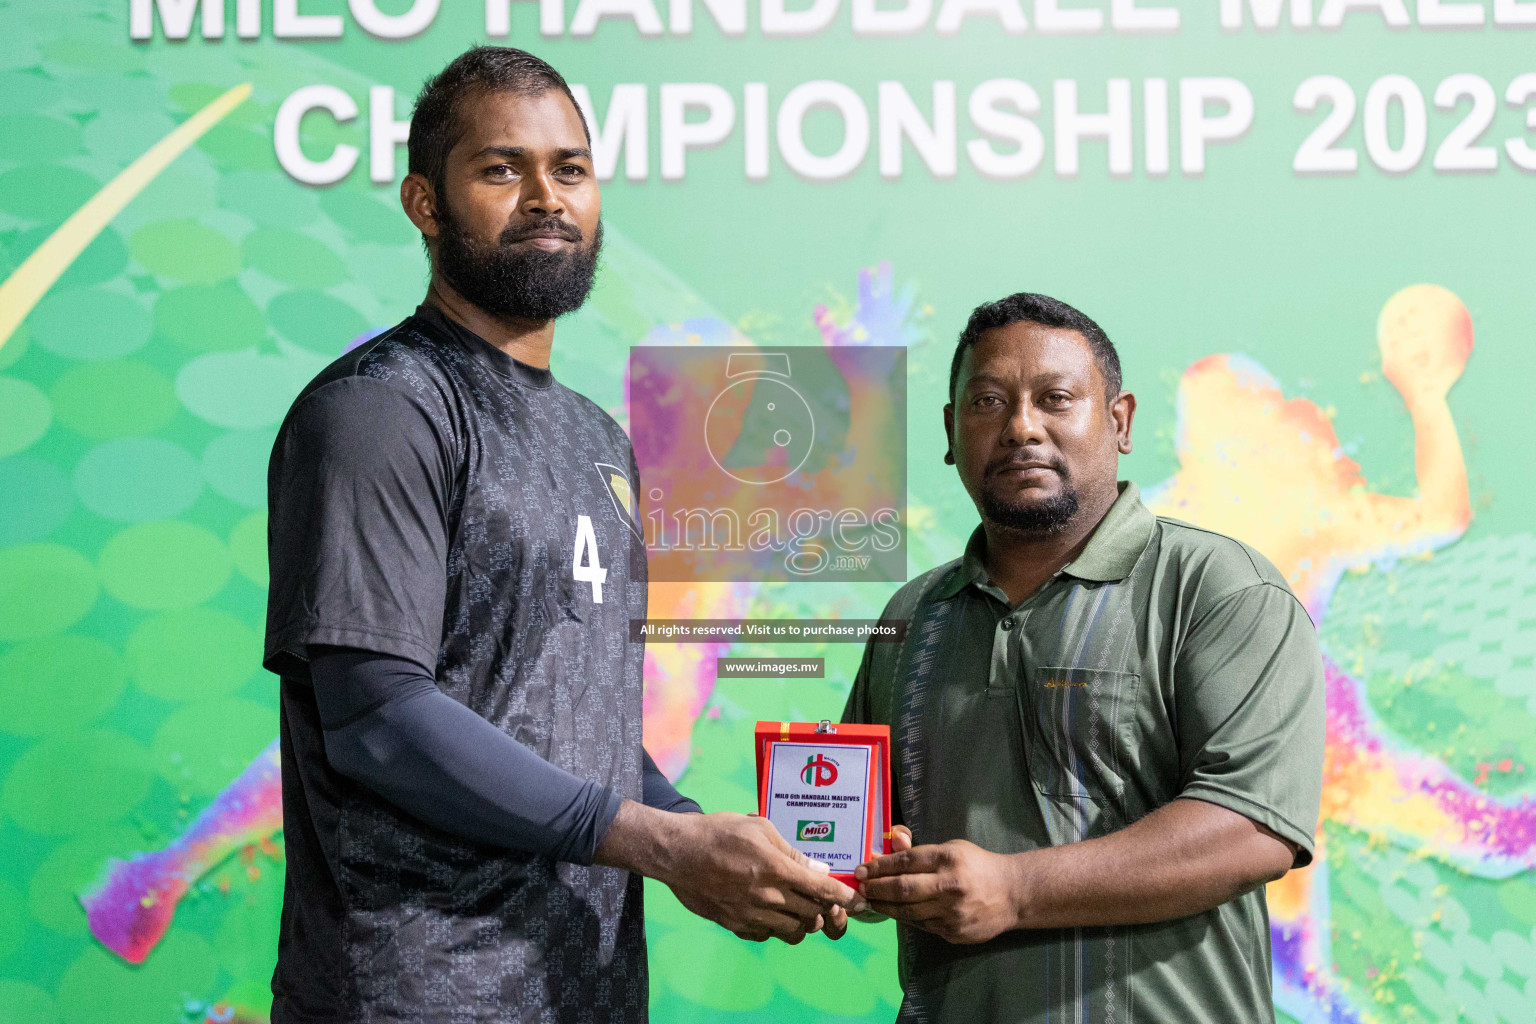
(1020, 561)
(527, 341)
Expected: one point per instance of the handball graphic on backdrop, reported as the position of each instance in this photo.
(1301, 223)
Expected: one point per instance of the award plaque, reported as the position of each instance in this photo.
(826, 788)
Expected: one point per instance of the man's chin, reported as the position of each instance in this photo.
(1031, 509)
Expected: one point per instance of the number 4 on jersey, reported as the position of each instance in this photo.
(583, 571)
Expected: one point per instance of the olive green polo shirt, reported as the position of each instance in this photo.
(1165, 661)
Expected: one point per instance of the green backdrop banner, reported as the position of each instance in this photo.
(1306, 224)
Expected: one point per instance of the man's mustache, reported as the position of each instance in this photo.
(548, 226)
(1019, 460)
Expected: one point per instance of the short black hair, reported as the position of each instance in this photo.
(435, 127)
(1032, 308)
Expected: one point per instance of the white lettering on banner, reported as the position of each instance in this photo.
(393, 26)
(730, 16)
(641, 12)
(175, 18)
(1072, 127)
(1008, 13)
(778, 20)
(1460, 151)
(1520, 93)
(846, 159)
(386, 133)
(678, 134)
(1125, 16)
(498, 18)
(803, 18)
(1392, 12)
(1004, 140)
(285, 135)
(900, 119)
(625, 128)
(869, 19)
(1196, 128)
(1052, 20)
(1266, 14)
(288, 23)
(754, 116)
(1154, 112)
(986, 99)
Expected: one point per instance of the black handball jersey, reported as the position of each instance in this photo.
(433, 499)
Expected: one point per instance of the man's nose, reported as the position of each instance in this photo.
(1024, 424)
(540, 198)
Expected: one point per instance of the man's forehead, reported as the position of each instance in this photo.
(1030, 347)
(531, 121)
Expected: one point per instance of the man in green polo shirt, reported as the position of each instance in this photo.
(1107, 727)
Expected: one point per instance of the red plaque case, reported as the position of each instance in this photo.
(826, 788)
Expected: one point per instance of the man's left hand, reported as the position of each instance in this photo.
(956, 890)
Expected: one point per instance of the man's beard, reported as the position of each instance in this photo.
(1044, 515)
(518, 283)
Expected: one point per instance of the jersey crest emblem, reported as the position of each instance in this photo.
(616, 483)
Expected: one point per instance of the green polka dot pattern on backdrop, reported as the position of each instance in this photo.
(166, 564)
(47, 192)
(204, 744)
(99, 987)
(134, 479)
(58, 683)
(292, 258)
(248, 548)
(25, 414)
(44, 589)
(76, 781)
(193, 654)
(186, 251)
(235, 465)
(89, 323)
(38, 499)
(121, 398)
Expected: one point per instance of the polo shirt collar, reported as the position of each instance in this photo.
(1109, 555)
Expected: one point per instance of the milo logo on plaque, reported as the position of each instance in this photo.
(819, 770)
(814, 831)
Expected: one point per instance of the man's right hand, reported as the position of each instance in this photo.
(733, 869)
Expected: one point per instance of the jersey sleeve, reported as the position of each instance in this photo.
(358, 494)
(1249, 694)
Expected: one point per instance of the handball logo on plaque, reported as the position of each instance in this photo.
(826, 789)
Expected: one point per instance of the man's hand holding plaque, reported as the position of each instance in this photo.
(733, 869)
(955, 890)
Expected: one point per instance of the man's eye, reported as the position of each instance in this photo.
(501, 170)
(1057, 398)
(572, 171)
(987, 400)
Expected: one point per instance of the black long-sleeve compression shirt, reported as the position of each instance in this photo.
(389, 727)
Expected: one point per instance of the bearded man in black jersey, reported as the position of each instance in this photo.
(455, 560)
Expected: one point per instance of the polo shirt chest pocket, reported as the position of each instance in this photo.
(1078, 726)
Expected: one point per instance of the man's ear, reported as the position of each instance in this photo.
(419, 202)
(949, 434)
(1122, 411)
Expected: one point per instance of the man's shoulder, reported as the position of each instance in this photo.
(904, 603)
(404, 362)
(1217, 565)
